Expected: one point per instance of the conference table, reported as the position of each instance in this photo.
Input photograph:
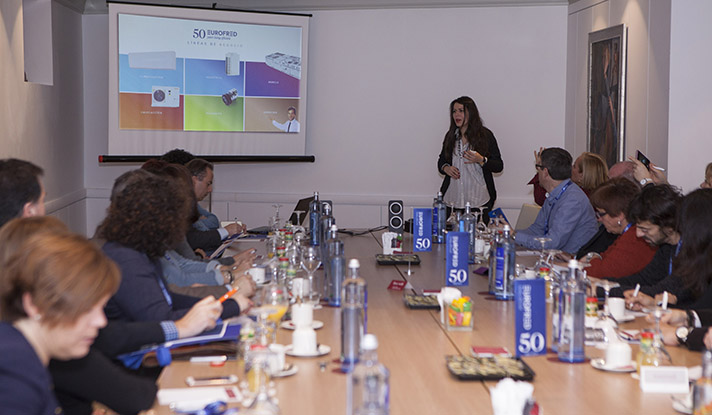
(413, 345)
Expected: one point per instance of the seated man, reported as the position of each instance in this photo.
(567, 216)
(207, 234)
(654, 212)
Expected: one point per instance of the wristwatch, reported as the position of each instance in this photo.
(645, 181)
(681, 333)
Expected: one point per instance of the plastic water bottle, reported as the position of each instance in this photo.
(573, 308)
(439, 219)
(491, 279)
(469, 223)
(368, 388)
(505, 266)
(336, 268)
(353, 316)
(314, 219)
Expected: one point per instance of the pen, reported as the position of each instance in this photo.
(658, 168)
(637, 290)
(228, 294)
(665, 300)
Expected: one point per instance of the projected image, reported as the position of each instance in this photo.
(272, 114)
(204, 76)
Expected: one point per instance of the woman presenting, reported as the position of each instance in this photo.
(468, 158)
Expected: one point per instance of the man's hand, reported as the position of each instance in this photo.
(232, 229)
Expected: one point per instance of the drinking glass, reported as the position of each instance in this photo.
(311, 262)
(542, 255)
(658, 312)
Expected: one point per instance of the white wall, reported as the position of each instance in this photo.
(41, 123)
(690, 146)
(648, 23)
(380, 84)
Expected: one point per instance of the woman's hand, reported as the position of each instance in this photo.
(202, 316)
(473, 157)
(451, 171)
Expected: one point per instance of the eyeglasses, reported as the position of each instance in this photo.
(600, 214)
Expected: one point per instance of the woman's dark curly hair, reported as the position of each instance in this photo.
(149, 215)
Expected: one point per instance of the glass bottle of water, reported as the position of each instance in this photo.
(506, 266)
(497, 240)
(555, 293)
(439, 219)
(469, 222)
(331, 235)
(368, 389)
(327, 219)
(314, 220)
(353, 315)
(573, 308)
(336, 270)
(702, 388)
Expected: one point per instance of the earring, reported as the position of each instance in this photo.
(619, 222)
(37, 317)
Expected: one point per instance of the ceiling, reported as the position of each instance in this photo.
(99, 6)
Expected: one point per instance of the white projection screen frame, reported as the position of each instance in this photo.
(212, 82)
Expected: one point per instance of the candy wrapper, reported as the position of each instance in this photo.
(459, 314)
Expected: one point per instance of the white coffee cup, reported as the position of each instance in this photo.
(304, 340)
(302, 315)
(257, 274)
(278, 363)
(616, 306)
(618, 354)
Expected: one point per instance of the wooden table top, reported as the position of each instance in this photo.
(413, 345)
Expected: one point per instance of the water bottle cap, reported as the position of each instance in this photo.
(353, 263)
(369, 342)
(334, 228)
(506, 228)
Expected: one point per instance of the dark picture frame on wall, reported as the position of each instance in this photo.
(607, 50)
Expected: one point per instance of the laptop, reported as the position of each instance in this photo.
(302, 207)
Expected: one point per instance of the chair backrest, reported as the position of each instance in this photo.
(527, 215)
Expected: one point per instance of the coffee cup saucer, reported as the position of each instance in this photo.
(600, 364)
(288, 370)
(321, 350)
(289, 325)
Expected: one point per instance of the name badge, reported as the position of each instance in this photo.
(422, 229)
(456, 271)
(530, 316)
(664, 379)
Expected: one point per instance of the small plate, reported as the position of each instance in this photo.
(322, 349)
(600, 364)
(681, 405)
(288, 370)
(289, 325)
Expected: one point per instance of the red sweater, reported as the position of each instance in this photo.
(628, 255)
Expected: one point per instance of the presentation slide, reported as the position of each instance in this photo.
(207, 75)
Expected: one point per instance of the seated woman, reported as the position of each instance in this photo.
(628, 254)
(144, 221)
(589, 172)
(52, 294)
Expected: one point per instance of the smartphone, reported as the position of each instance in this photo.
(211, 381)
(641, 157)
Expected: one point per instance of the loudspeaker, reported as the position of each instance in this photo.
(395, 216)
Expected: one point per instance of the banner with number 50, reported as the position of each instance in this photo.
(456, 271)
(422, 229)
(530, 316)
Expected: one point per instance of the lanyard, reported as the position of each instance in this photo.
(551, 210)
(626, 228)
(162, 284)
(677, 251)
